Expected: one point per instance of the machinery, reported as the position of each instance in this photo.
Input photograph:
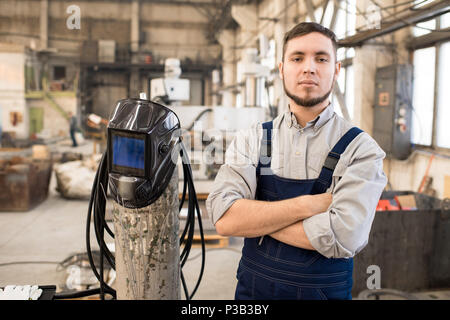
(392, 117)
(139, 169)
(170, 89)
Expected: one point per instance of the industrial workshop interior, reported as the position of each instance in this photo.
(123, 124)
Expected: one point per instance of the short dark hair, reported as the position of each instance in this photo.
(304, 28)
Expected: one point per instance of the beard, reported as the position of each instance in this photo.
(307, 102)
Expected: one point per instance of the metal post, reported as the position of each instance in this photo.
(147, 249)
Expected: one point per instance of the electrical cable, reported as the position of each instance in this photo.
(97, 206)
(95, 202)
(192, 194)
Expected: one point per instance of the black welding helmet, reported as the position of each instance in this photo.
(142, 138)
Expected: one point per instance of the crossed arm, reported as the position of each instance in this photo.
(282, 220)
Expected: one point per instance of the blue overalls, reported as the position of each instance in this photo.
(270, 269)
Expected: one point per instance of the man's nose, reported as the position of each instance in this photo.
(309, 66)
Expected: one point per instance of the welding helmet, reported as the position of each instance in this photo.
(142, 138)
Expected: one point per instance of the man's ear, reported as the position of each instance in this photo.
(337, 70)
(280, 69)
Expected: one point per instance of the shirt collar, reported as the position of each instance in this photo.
(316, 123)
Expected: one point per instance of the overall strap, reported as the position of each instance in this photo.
(326, 174)
(265, 153)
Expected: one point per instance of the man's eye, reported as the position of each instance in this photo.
(296, 59)
(323, 59)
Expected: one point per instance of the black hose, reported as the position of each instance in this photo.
(183, 282)
(100, 208)
(94, 197)
(189, 177)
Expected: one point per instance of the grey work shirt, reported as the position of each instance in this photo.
(299, 153)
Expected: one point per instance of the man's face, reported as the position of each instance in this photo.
(309, 69)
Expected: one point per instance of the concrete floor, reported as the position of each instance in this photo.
(55, 230)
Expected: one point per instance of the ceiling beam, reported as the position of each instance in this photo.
(421, 14)
(429, 39)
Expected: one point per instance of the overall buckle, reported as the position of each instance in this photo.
(331, 161)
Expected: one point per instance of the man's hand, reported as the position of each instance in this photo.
(318, 203)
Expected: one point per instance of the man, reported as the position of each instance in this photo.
(73, 128)
(302, 189)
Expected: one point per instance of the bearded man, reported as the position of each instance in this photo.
(301, 189)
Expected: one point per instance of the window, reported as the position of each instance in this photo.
(431, 82)
(345, 26)
(431, 96)
(318, 13)
(346, 84)
(424, 28)
(445, 21)
(430, 85)
(345, 53)
(349, 90)
(443, 110)
(423, 96)
(346, 19)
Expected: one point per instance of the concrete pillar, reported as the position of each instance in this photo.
(364, 74)
(227, 40)
(365, 63)
(134, 27)
(43, 19)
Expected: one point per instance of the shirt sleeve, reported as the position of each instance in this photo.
(236, 178)
(343, 230)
